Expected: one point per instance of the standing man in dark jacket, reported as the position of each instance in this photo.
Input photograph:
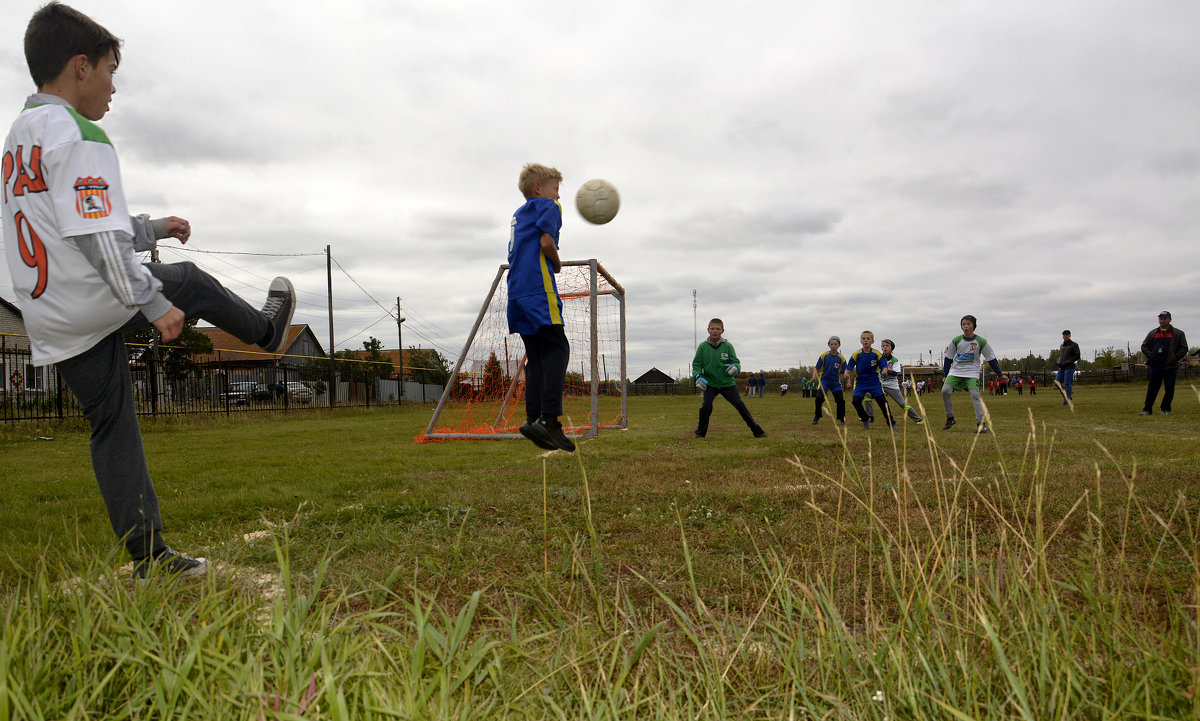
(1068, 356)
(1164, 348)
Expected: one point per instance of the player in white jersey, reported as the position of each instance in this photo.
(70, 245)
(962, 363)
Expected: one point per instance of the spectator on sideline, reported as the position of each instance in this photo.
(1165, 347)
(1068, 356)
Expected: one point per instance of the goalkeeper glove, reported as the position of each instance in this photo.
(701, 382)
(731, 369)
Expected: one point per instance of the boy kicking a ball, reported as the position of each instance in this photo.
(715, 366)
(534, 308)
(961, 364)
(71, 248)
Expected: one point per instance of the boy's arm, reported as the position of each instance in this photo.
(112, 256)
(697, 362)
(551, 252)
(147, 232)
(732, 355)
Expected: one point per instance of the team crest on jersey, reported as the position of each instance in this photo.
(91, 198)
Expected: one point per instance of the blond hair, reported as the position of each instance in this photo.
(534, 173)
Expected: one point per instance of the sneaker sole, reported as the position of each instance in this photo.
(291, 312)
(541, 441)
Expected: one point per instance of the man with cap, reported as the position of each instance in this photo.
(1164, 348)
(1068, 356)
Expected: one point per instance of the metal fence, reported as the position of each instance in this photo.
(29, 392)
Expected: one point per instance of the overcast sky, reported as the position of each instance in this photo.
(809, 168)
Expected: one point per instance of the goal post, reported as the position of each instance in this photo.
(484, 398)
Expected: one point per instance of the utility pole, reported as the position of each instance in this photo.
(332, 370)
(155, 341)
(400, 332)
(695, 338)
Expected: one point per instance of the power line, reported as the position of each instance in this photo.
(364, 290)
(241, 252)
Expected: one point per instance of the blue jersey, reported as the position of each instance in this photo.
(829, 366)
(866, 365)
(532, 292)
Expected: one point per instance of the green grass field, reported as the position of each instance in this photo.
(1048, 570)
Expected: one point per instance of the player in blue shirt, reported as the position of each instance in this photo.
(828, 372)
(534, 308)
(867, 364)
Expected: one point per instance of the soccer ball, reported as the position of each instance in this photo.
(597, 201)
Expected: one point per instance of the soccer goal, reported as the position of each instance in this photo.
(484, 398)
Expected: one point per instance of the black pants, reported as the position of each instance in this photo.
(880, 401)
(546, 355)
(730, 394)
(838, 401)
(1164, 377)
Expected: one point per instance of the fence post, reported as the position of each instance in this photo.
(152, 377)
(58, 392)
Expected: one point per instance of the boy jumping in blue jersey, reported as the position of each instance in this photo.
(867, 364)
(828, 372)
(534, 308)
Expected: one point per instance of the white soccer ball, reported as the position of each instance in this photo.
(597, 201)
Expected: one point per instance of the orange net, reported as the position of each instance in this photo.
(485, 398)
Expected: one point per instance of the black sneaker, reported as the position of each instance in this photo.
(538, 434)
(815, 421)
(553, 433)
(281, 303)
(1166, 413)
(697, 434)
(949, 423)
(867, 425)
(760, 433)
(982, 428)
(169, 563)
(1145, 413)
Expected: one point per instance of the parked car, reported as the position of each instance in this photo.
(301, 392)
(239, 393)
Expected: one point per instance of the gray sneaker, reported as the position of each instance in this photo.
(280, 305)
(1166, 413)
(169, 564)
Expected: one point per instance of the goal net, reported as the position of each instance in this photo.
(485, 396)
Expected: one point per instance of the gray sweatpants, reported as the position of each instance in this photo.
(897, 395)
(100, 379)
(976, 400)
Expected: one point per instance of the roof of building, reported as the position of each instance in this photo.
(228, 348)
